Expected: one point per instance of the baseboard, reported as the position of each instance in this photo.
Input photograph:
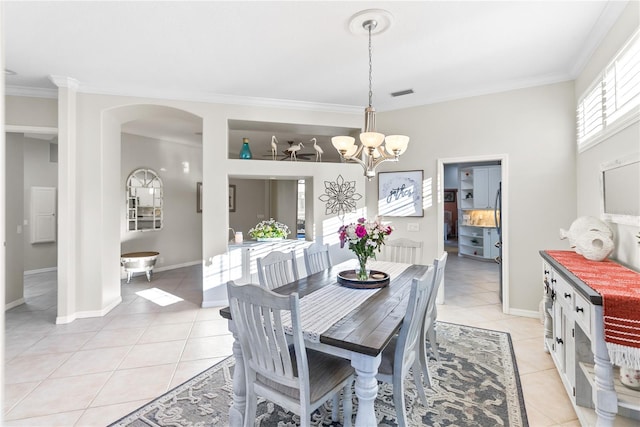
(173, 267)
(40, 270)
(523, 313)
(85, 314)
(14, 304)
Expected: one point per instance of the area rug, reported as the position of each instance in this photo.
(475, 383)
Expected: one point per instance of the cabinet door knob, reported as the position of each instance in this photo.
(553, 280)
(559, 341)
(553, 295)
(546, 272)
(579, 309)
(566, 295)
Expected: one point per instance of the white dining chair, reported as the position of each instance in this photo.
(316, 258)
(431, 314)
(277, 269)
(402, 250)
(294, 377)
(403, 352)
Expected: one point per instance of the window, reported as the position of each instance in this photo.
(613, 100)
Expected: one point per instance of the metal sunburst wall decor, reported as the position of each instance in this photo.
(340, 197)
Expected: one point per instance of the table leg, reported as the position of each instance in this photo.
(366, 388)
(236, 411)
(605, 397)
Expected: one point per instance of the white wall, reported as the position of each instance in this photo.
(181, 223)
(284, 203)
(38, 172)
(26, 111)
(619, 145)
(13, 218)
(94, 282)
(535, 128)
(252, 204)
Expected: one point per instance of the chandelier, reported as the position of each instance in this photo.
(375, 148)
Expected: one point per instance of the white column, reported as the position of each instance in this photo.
(67, 197)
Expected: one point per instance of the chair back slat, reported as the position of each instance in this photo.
(316, 258)
(257, 313)
(407, 348)
(432, 311)
(402, 250)
(277, 269)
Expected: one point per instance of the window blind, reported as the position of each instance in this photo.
(614, 95)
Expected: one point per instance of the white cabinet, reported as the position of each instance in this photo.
(478, 187)
(478, 241)
(490, 239)
(574, 337)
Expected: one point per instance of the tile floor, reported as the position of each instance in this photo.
(94, 371)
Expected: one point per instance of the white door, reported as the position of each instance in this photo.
(43, 214)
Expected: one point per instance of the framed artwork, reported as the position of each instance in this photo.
(400, 193)
(198, 197)
(449, 195)
(232, 198)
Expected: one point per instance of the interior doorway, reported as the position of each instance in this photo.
(481, 227)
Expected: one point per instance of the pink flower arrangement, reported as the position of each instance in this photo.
(364, 239)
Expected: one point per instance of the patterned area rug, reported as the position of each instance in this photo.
(476, 383)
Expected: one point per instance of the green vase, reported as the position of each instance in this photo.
(245, 152)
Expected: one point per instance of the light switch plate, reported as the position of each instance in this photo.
(413, 226)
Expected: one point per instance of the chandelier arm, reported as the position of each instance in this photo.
(355, 155)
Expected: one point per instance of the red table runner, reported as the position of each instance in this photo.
(620, 290)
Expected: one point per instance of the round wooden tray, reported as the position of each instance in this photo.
(377, 279)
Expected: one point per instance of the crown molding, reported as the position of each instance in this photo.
(223, 99)
(31, 92)
(64, 81)
(600, 29)
(182, 96)
(35, 130)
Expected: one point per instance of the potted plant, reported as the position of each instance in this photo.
(270, 230)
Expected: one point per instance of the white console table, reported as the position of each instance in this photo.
(574, 336)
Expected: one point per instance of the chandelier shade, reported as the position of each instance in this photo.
(375, 148)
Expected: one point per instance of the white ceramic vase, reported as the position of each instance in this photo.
(630, 377)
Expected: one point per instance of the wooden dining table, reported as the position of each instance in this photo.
(360, 336)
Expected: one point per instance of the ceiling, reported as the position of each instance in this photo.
(300, 53)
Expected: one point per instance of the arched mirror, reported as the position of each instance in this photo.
(144, 200)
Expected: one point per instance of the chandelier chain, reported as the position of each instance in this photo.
(370, 69)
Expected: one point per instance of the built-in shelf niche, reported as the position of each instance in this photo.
(260, 135)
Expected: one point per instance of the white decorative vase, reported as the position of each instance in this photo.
(630, 377)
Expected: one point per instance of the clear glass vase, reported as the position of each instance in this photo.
(363, 271)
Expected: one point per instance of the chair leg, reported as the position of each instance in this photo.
(347, 404)
(424, 357)
(418, 381)
(250, 408)
(431, 334)
(398, 399)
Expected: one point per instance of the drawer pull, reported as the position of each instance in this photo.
(559, 341)
(579, 309)
(553, 280)
(566, 295)
(546, 272)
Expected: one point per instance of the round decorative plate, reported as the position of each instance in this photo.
(377, 279)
